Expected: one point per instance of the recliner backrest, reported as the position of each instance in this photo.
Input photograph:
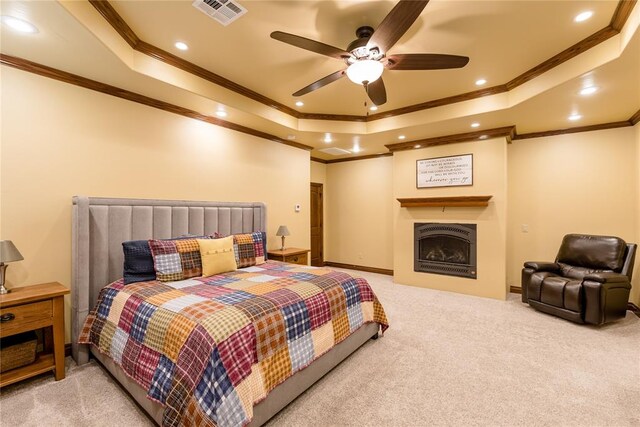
(629, 259)
(593, 252)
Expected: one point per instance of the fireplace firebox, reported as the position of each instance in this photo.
(445, 248)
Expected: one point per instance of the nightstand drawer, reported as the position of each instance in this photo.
(297, 259)
(25, 317)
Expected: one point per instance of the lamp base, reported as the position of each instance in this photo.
(3, 270)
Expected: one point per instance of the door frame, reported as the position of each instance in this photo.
(320, 187)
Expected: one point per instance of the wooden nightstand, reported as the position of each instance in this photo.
(30, 308)
(292, 255)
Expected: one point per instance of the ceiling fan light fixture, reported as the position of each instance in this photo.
(365, 70)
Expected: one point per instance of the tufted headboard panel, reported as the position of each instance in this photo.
(100, 225)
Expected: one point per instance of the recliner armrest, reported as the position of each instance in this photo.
(542, 266)
(608, 277)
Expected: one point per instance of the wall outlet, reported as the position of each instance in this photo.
(525, 228)
(297, 207)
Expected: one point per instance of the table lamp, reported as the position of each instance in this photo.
(8, 253)
(282, 231)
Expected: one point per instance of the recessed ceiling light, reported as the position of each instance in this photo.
(299, 103)
(589, 90)
(480, 82)
(574, 117)
(475, 124)
(327, 138)
(401, 137)
(374, 108)
(483, 137)
(19, 24)
(181, 45)
(221, 113)
(583, 16)
(417, 146)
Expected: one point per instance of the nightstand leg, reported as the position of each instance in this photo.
(58, 336)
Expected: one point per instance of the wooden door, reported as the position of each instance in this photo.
(316, 225)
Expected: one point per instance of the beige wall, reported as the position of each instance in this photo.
(489, 178)
(318, 172)
(60, 140)
(359, 212)
(576, 183)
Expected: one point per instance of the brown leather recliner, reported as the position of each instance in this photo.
(589, 282)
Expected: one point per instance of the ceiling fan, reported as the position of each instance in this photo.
(366, 57)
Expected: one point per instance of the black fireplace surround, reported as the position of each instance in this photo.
(445, 248)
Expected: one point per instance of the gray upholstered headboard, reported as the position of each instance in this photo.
(100, 225)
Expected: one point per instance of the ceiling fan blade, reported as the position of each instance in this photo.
(311, 45)
(320, 83)
(396, 23)
(376, 92)
(425, 61)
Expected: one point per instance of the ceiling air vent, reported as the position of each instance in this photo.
(223, 11)
(335, 151)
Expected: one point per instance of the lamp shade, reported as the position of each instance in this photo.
(365, 70)
(9, 252)
(282, 231)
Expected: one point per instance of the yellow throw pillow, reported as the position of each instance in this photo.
(217, 256)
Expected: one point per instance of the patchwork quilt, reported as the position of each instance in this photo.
(209, 348)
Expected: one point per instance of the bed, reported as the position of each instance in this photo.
(100, 225)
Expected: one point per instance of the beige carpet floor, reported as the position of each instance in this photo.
(447, 359)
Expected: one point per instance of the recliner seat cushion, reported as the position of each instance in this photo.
(573, 296)
(593, 252)
(553, 291)
(562, 292)
(534, 288)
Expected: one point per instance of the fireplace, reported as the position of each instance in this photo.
(444, 248)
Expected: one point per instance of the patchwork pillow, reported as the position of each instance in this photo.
(138, 260)
(176, 259)
(217, 256)
(248, 249)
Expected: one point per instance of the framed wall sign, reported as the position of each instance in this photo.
(449, 171)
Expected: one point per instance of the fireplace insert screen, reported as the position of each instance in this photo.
(444, 248)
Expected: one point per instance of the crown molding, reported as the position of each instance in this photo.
(508, 132)
(571, 52)
(351, 159)
(635, 118)
(621, 14)
(318, 160)
(611, 125)
(63, 76)
(618, 20)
